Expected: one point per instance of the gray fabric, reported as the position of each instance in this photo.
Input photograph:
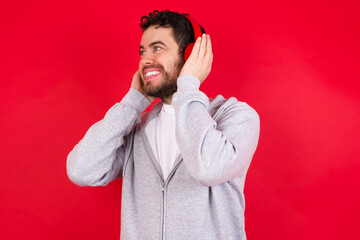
(203, 196)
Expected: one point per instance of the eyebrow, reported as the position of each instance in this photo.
(154, 43)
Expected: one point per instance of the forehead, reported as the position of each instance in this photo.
(155, 33)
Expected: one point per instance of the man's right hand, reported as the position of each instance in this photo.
(136, 83)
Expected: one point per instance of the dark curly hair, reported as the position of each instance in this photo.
(181, 27)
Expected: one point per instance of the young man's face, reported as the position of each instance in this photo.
(160, 63)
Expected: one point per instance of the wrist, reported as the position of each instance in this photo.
(187, 82)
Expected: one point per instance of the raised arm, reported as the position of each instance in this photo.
(214, 150)
(99, 157)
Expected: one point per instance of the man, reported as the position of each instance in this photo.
(183, 163)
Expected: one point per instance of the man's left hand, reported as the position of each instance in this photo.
(200, 60)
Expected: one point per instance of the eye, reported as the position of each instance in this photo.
(141, 52)
(157, 48)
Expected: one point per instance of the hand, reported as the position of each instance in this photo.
(200, 59)
(136, 83)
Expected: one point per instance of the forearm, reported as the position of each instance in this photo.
(98, 158)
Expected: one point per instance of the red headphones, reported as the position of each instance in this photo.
(197, 33)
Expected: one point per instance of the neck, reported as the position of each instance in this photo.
(167, 100)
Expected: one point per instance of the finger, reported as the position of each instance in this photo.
(208, 45)
(209, 54)
(208, 59)
(203, 46)
(195, 50)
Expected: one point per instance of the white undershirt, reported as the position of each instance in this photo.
(161, 134)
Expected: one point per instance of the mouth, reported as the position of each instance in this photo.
(151, 74)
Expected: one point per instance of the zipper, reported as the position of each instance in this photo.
(163, 188)
(163, 211)
(173, 171)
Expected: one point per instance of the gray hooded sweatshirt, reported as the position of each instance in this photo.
(202, 198)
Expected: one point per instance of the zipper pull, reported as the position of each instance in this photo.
(162, 186)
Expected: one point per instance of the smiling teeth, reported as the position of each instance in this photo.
(148, 74)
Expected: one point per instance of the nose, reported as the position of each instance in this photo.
(147, 59)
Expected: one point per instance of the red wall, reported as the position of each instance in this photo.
(63, 65)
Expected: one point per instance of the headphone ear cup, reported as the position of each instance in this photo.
(188, 51)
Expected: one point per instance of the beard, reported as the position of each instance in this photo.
(168, 85)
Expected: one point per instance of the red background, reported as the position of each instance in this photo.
(63, 65)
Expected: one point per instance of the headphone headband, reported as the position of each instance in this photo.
(197, 33)
(196, 27)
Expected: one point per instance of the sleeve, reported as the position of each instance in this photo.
(218, 151)
(99, 157)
